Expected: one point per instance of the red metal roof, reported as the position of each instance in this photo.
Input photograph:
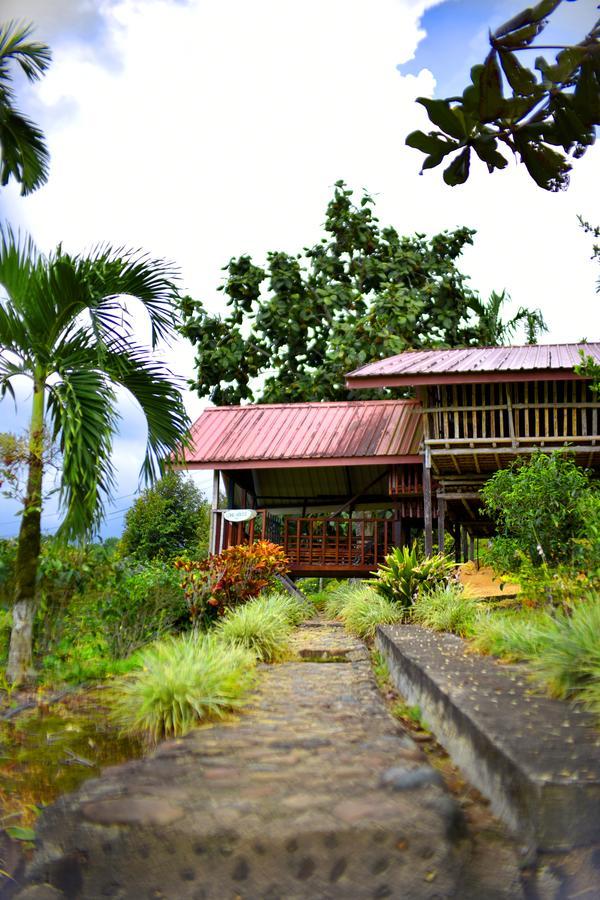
(305, 434)
(528, 363)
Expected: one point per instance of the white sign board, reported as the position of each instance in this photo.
(239, 515)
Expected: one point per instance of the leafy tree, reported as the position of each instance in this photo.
(362, 293)
(168, 519)
(537, 507)
(63, 326)
(23, 152)
(541, 118)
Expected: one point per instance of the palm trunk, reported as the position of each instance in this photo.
(28, 549)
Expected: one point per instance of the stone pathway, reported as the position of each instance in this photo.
(315, 791)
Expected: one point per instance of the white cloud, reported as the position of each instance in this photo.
(226, 124)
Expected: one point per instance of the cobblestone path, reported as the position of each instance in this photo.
(313, 792)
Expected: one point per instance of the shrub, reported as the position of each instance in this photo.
(260, 627)
(344, 594)
(366, 609)
(536, 506)
(168, 519)
(136, 605)
(5, 629)
(293, 609)
(402, 575)
(445, 608)
(235, 576)
(182, 681)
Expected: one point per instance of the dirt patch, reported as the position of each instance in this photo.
(482, 582)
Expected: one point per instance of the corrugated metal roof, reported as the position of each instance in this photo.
(426, 366)
(297, 434)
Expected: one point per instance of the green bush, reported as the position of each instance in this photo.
(260, 627)
(537, 507)
(5, 629)
(170, 518)
(104, 625)
(366, 609)
(445, 608)
(403, 575)
(181, 681)
(8, 555)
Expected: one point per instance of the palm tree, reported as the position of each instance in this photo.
(492, 330)
(23, 152)
(63, 326)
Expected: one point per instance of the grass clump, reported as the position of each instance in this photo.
(343, 595)
(293, 609)
(260, 627)
(365, 610)
(182, 680)
(569, 662)
(445, 608)
(512, 636)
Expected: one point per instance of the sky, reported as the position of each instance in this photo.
(204, 129)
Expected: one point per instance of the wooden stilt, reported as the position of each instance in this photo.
(428, 512)
(214, 525)
(441, 507)
(457, 542)
(471, 547)
(465, 544)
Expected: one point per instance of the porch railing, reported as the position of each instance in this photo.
(314, 542)
(336, 542)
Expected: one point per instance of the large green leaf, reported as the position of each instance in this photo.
(491, 98)
(521, 80)
(458, 170)
(441, 114)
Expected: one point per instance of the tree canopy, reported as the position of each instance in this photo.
(296, 326)
(23, 152)
(544, 115)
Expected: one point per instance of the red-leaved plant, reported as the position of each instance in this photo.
(232, 577)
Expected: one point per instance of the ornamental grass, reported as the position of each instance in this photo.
(294, 609)
(258, 627)
(569, 662)
(512, 636)
(338, 598)
(182, 681)
(365, 610)
(446, 609)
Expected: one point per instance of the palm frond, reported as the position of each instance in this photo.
(108, 273)
(24, 154)
(153, 386)
(83, 418)
(33, 57)
(18, 260)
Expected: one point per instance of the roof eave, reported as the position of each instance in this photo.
(356, 382)
(303, 463)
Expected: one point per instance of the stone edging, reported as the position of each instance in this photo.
(536, 759)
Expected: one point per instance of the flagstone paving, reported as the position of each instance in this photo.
(314, 791)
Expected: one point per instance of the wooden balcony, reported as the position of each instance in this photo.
(316, 546)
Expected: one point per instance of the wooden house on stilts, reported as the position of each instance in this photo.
(340, 484)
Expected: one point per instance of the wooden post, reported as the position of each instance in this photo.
(471, 547)
(212, 538)
(427, 510)
(457, 542)
(441, 505)
(465, 545)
